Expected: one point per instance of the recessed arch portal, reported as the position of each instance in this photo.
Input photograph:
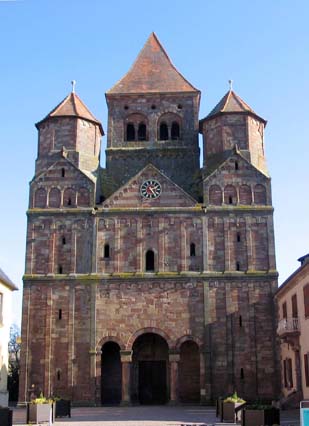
(150, 369)
(111, 372)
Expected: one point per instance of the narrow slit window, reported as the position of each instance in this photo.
(62, 172)
(242, 376)
(237, 266)
(60, 269)
(69, 201)
(130, 132)
(60, 314)
(230, 199)
(238, 237)
(192, 249)
(141, 133)
(149, 261)
(106, 251)
(240, 321)
(236, 165)
(58, 375)
(175, 132)
(64, 241)
(163, 132)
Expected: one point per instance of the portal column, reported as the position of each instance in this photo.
(126, 363)
(174, 359)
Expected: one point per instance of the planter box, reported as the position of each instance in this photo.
(219, 403)
(63, 408)
(231, 412)
(6, 417)
(40, 413)
(268, 417)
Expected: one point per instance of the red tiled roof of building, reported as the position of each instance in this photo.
(231, 103)
(152, 72)
(72, 106)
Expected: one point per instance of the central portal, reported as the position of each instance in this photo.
(150, 369)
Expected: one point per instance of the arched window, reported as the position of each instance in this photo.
(175, 132)
(163, 132)
(149, 261)
(192, 249)
(63, 172)
(106, 251)
(130, 132)
(54, 198)
(40, 198)
(141, 134)
(259, 194)
(230, 196)
(69, 197)
(245, 196)
(215, 195)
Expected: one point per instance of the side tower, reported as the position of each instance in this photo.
(59, 241)
(153, 118)
(240, 247)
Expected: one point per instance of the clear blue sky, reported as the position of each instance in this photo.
(262, 45)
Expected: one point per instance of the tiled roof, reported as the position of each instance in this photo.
(6, 280)
(152, 72)
(72, 106)
(231, 103)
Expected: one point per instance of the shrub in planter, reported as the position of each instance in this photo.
(6, 416)
(260, 415)
(231, 408)
(41, 410)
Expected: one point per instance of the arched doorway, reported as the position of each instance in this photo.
(150, 369)
(189, 372)
(110, 374)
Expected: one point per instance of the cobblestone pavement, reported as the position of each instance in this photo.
(146, 416)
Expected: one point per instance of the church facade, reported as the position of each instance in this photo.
(150, 280)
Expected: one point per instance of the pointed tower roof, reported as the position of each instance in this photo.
(232, 103)
(72, 106)
(152, 72)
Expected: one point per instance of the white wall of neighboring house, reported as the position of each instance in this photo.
(294, 285)
(5, 323)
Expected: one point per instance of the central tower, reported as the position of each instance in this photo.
(153, 118)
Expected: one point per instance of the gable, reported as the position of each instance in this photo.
(55, 174)
(237, 169)
(134, 192)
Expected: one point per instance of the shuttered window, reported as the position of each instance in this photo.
(306, 300)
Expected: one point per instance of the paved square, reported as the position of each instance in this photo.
(146, 416)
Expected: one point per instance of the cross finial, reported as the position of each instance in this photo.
(73, 82)
(231, 84)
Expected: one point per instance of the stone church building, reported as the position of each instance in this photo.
(150, 280)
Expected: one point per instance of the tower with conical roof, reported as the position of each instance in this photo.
(72, 128)
(153, 118)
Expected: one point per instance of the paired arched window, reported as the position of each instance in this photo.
(136, 128)
(169, 126)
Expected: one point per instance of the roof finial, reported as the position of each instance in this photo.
(231, 84)
(73, 82)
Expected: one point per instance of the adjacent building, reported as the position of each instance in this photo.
(152, 279)
(293, 329)
(6, 289)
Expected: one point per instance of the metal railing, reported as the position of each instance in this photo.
(288, 325)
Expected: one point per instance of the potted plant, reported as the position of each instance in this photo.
(259, 414)
(41, 410)
(6, 416)
(231, 407)
(63, 407)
